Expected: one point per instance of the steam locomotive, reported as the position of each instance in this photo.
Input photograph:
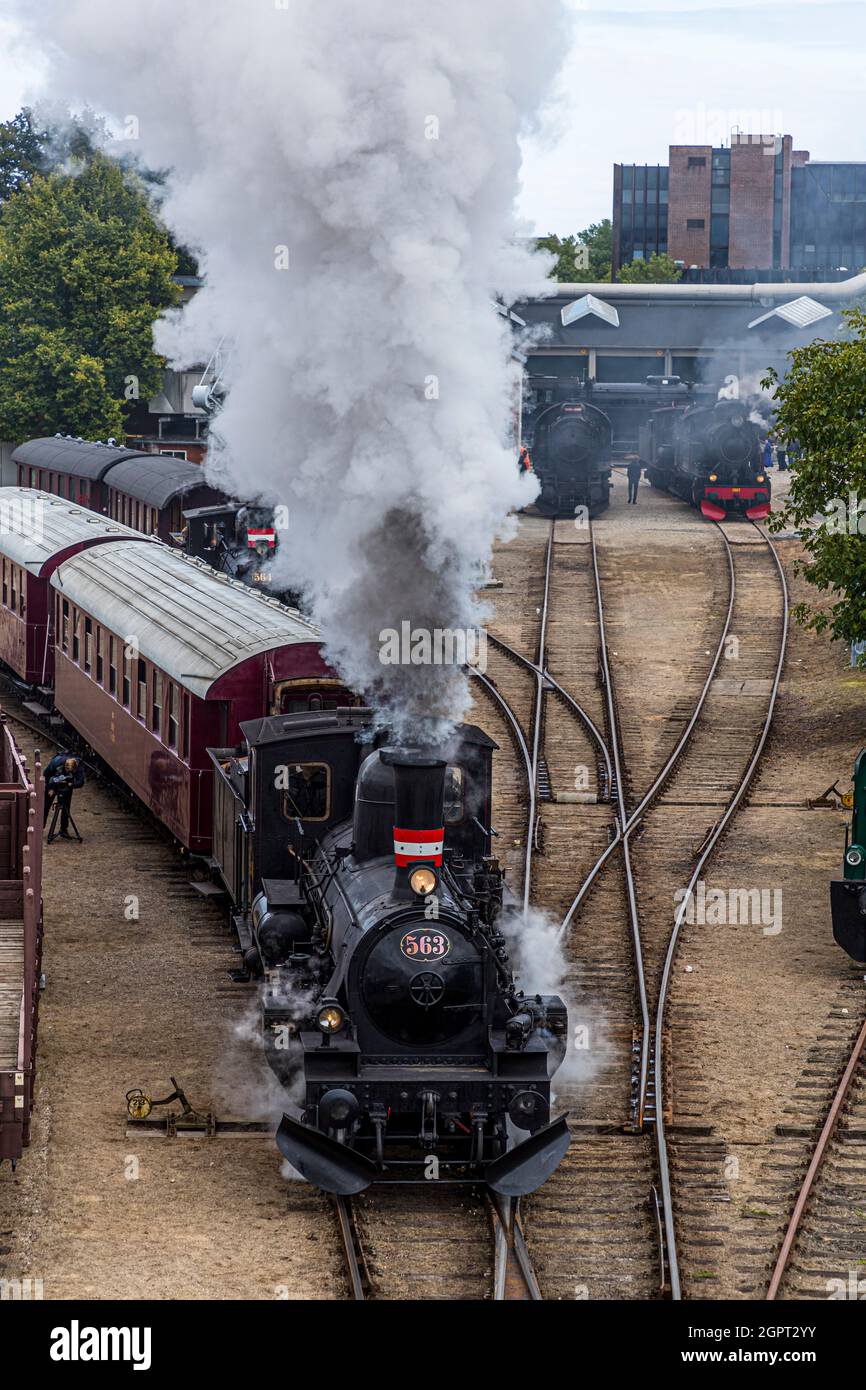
(367, 905)
(571, 456)
(708, 455)
(848, 893)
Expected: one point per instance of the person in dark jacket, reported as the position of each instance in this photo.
(634, 471)
(63, 775)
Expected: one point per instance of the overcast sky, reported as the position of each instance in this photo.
(641, 75)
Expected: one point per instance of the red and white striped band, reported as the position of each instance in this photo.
(412, 845)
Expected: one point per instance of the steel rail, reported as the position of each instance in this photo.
(538, 718)
(715, 835)
(819, 1154)
(514, 1277)
(356, 1265)
(659, 782)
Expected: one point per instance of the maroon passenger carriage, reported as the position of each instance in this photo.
(158, 657)
(37, 533)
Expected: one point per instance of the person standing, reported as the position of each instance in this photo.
(768, 453)
(63, 775)
(634, 471)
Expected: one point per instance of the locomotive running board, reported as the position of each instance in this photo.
(531, 1163)
(323, 1161)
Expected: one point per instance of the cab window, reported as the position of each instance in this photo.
(453, 795)
(306, 791)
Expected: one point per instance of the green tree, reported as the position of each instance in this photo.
(85, 269)
(593, 245)
(821, 408)
(22, 152)
(658, 270)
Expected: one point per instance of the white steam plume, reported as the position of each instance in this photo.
(369, 384)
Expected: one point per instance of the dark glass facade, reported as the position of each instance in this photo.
(643, 212)
(828, 215)
(720, 208)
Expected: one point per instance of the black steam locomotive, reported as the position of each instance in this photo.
(710, 456)
(571, 456)
(367, 904)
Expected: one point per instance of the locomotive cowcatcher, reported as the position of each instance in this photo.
(367, 904)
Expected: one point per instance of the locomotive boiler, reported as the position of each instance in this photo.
(368, 905)
(571, 456)
(710, 456)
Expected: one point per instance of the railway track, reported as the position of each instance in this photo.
(821, 1253)
(394, 1247)
(653, 952)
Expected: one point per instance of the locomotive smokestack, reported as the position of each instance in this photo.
(419, 829)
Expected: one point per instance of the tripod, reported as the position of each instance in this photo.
(55, 812)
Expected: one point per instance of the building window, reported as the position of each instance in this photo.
(100, 653)
(697, 161)
(156, 705)
(142, 690)
(112, 667)
(88, 644)
(695, 224)
(172, 715)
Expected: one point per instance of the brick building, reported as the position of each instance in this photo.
(757, 203)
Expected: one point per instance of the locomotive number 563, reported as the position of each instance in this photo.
(425, 944)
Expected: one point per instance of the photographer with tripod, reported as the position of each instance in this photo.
(63, 774)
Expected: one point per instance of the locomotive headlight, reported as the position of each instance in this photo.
(714, 477)
(330, 1018)
(854, 857)
(422, 882)
(760, 478)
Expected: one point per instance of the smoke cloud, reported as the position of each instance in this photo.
(347, 175)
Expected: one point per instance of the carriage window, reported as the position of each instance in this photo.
(142, 689)
(172, 715)
(156, 704)
(127, 682)
(112, 667)
(14, 604)
(88, 644)
(100, 653)
(22, 580)
(5, 587)
(453, 795)
(76, 635)
(308, 793)
(64, 626)
(185, 730)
